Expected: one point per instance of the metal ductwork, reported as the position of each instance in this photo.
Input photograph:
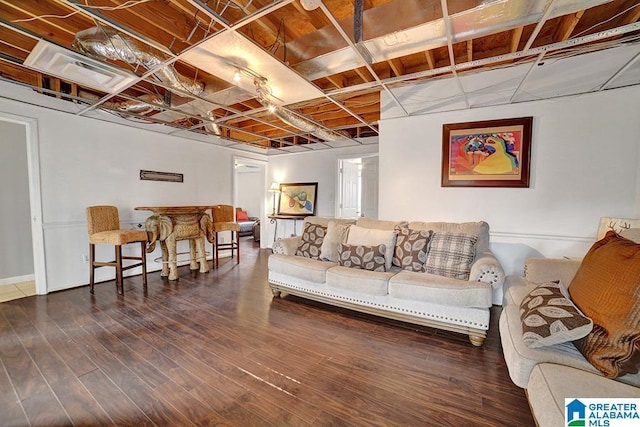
(105, 43)
(144, 105)
(264, 96)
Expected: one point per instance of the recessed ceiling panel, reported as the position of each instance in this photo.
(573, 75)
(493, 87)
(229, 52)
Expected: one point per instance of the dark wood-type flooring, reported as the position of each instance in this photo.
(217, 349)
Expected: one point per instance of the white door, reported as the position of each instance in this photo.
(349, 202)
(370, 187)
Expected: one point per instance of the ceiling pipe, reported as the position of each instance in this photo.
(105, 43)
(287, 116)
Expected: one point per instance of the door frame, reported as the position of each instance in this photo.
(35, 197)
(263, 201)
(338, 186)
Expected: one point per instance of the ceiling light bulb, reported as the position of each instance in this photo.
(236, 76)
(310, 4)
(272, 108)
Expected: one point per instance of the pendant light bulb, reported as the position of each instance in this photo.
(236, 76)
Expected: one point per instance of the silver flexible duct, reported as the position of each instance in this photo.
(264, 93)
(105, 43)
(212, 127)
(145, 104)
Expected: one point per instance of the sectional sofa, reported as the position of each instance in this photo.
(323, 264)
(582, 348)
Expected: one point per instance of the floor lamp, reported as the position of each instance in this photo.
(275, 188)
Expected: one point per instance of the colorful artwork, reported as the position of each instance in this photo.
(298, 199)
(487, 154)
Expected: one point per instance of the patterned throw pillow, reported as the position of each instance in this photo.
(605, 288)
(549, 318)
(411, 249)
(363, 257)
(311, 241)
(451, 255)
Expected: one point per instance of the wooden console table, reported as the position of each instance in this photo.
(168, 224)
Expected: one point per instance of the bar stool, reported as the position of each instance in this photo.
(224, 220)
(103, 226)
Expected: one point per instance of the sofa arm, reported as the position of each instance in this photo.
(486, 268)
(540, 270)
(286, 246)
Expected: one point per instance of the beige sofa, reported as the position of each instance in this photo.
(416, 297)
(551, 373)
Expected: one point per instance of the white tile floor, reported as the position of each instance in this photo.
(17, 290)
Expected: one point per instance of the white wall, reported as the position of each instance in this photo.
(314, 166)
(16, 253)
(85, 162)
(250, 191)
(585, 165)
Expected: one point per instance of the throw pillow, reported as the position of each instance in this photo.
(549, 318)
(411, 249)
(336, 234)
(311, 241)
(363, 257)
(605, 288)
(374, 237)
(242, 216)
(451, 255)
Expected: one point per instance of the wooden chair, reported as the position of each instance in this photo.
(224, 220)
(103, 226)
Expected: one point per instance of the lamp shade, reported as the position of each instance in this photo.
(275, 187)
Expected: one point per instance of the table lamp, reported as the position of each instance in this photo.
(275, 188)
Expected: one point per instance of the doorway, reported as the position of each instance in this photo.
(249, 188)
(20, 139)
(357, 187)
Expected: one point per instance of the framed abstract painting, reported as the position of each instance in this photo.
(298, 199)
(490, 153)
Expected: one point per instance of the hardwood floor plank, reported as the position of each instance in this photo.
(12, 413)
(218, 349)
(114, 401)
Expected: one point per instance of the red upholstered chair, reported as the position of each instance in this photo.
(103, 226)
(224, 220)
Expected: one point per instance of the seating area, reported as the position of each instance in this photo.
(436, 274)
(249, 225)
(570, 327)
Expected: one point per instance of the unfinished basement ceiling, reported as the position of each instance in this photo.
(295, 75)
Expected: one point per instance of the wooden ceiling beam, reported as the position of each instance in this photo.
(165, 19)
(396, 66)
(566, 26)
(431, 62)
(337, 80)
(469, 50)
(516, 35)
(364, 74)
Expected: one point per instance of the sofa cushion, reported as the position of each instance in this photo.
(479, 229)
(521, 359)
(550, 384)
(379, 224)
(451, 254)
(303, 268)
(549, 318)
(336, 234)
(605, 288)
(311, 241)
(374, 237)
(411, 249)
(415, 286)
(365, 257)
(242, 215)
(359, 281)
